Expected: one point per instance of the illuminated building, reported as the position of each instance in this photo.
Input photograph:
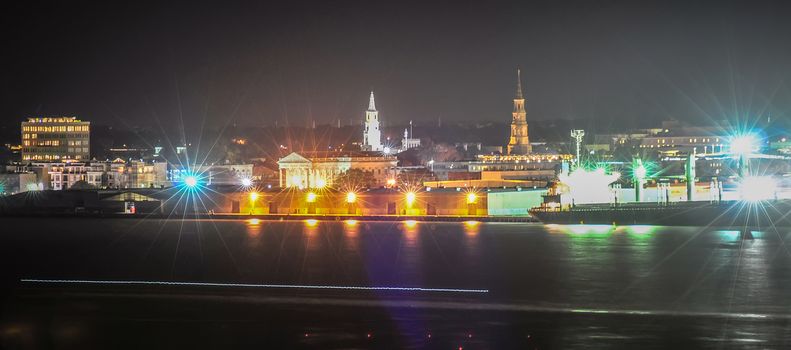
(17, 182)
(519, 142)
(54, 139)
(582, 186)
(685, 140)
(213, 174)
(319, 169)
(408, 142)
(136, 174)
(372, 136)
(64, 176)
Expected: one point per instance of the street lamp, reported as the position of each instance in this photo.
(472, 198)
(253, 197)
(311, 197)
(410, 199)
(191, 181)
(743, 146)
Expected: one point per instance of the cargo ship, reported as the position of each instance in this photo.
(735, 213)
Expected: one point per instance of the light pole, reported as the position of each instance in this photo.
(639, 173)
(578, 135)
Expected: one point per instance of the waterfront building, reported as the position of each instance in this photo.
(534, 169)
(136, 174)
(320, 169)
(684, 142)
(65, 175)
(519, 143)
(55, 138)
(213, 174)
(372, 136)
(17, 182)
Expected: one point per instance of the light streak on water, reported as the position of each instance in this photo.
(428, 304)
(252, 285)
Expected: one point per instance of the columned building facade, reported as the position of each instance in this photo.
(519, 143)
(320, 169)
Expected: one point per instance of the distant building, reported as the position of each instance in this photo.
(685, 141)
(137, 174)
(64, 176)
(372, 136)
(319, 169)
(93, 174)
(520, 142)
(54, 139)
(17, 182)
(213, 174)
(408, 142)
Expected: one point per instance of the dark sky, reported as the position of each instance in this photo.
(606, 61)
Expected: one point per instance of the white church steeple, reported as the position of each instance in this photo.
(372, 136)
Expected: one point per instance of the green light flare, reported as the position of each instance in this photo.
(588, 229)
(728, 235)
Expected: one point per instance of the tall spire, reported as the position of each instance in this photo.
(371, 104)
(518, 84)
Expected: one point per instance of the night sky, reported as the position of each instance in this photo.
(214, 64)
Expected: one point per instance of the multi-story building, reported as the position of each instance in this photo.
(65, 175)
(319, 169)
(685, 143)
(213, 174)
(13, 183)
(137, 174)
(55, 138)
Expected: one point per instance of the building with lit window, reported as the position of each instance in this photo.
(63, 176)
(137, 174)
(320, 169)
(55, 138)
(212, 174)
(670, 145)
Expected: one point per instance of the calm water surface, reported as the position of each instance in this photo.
(547, 286)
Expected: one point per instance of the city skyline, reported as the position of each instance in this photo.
(610, 62)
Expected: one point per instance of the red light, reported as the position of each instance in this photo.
(369, 335)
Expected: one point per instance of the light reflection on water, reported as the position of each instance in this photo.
(643, 266)
(589, 267)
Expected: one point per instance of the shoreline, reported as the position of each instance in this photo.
(284, 217)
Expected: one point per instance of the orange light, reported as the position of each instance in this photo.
(253, 222)
(253, 196)
(311, 197)
(410, 198)
(391, 182)
(410, 223)
(311, 222)
(351, 197)
(350, 222)
(471, 198)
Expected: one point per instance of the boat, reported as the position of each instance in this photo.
(734, 213)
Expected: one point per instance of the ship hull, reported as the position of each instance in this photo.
(727, 213)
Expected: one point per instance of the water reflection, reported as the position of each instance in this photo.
(253, 227)
(471, 228)
(351, 231)
(410, 230)
(641, 230)
(582, 229)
